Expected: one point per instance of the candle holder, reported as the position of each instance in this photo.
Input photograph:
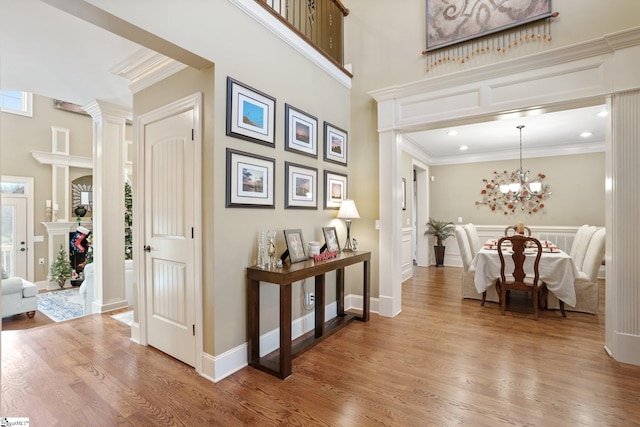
(48, 213)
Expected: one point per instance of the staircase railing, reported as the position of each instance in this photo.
(319, 22)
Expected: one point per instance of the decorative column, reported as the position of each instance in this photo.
(108, 204)
(390, 285)
(622, 296)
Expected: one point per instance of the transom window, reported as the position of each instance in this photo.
(16, 102)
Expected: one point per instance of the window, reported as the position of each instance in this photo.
(16, 102)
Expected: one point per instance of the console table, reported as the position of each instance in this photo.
(278, 362)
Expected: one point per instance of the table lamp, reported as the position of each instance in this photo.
(348, 211)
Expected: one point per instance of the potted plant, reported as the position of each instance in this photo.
(61, 269)
(441, 230)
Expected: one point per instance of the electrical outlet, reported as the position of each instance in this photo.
(41, 261)
(309, 298)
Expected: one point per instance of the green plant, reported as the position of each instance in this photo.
(61, 269)
(440, 229)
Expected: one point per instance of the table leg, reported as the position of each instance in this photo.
(319, 306)
(340, 291)
(254, 320)
(285, 330)
(366, 293)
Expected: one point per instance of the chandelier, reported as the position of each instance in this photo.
(515, 191)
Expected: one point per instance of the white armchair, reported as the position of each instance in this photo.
(19, 296)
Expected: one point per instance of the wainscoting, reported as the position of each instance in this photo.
(407, 253)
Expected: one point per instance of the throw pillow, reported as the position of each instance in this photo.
(4, 274)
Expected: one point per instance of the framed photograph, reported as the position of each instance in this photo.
(250, 180)
(404, 194)
(335, 144)
(301, 186)
(301, 132)
(295, 245)
(251, 114)
(335, 189)
(331, 239)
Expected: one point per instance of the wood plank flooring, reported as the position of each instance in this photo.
(443, 361)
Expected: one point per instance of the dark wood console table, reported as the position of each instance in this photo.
(278, 362)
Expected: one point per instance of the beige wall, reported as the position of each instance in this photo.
(383, 43)
(576, 181)
(20, 135)
(230, 235)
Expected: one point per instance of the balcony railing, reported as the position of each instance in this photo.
(319, 22)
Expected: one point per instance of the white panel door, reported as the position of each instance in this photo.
(169, 243)
(14, 236)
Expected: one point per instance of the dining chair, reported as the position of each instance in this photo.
(469, 289)
(512, 230)
(474, 238)
(580, 244)
(586, 283)
(520, 281)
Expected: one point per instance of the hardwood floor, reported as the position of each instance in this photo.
(443, 361)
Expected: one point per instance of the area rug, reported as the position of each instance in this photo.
(126, 317)
(61, 305)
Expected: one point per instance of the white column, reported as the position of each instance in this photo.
(390, 285)
(622, 338)
(108, 204)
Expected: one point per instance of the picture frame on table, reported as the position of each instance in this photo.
(335, 144)
(251, 114)
(301, 186)
(301, 132)
(335, 189)
(250, 180)
(295, 245)
(331, 239)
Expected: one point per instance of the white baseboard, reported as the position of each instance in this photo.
(216, 368)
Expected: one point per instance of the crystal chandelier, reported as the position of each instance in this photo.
(515, 191)
(517, 186)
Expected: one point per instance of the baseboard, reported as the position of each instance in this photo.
(216, 368)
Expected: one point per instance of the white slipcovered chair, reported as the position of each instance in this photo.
(586, 284)
(581, 243)
(468, 271)
(473, 238)
(19, 296)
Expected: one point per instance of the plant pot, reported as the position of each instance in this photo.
(439, 251)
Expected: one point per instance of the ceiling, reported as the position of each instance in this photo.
(544, 134)
(52, 53)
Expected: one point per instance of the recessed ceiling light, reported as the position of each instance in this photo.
(586, 134)
(452, 133)
(463, 148)
(602, 114)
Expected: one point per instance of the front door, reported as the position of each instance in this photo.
(169, 218)
(17, 226)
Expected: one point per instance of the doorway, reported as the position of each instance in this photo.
(17, 234)
(171, 291)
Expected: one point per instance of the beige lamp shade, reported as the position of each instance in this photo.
(348, 210)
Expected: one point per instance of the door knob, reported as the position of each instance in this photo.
(147, 248)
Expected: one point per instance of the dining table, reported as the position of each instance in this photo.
(556, 268)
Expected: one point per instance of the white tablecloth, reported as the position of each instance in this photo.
(556, 269)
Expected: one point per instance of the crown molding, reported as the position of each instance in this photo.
(145, 68)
